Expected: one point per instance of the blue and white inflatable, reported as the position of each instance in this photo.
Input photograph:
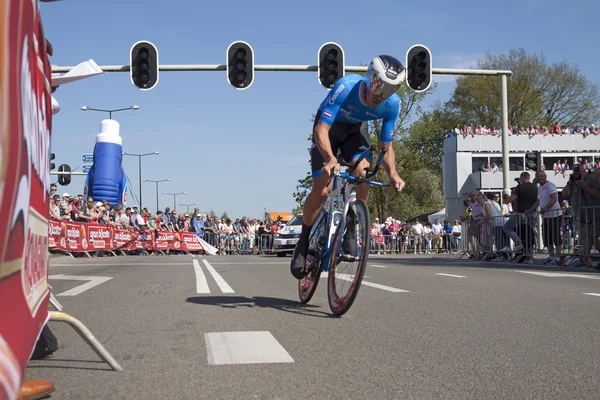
(106, 179)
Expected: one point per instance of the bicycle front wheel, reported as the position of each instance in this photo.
(348, 260)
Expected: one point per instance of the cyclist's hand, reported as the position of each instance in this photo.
(333, 164)
(396, 182)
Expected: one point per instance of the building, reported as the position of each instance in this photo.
(465, 156)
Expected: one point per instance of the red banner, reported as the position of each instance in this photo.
(25, 126)
(76, 237)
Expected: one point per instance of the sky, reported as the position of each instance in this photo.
(242, 151)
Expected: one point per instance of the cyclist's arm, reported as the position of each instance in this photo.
(333, 102)
(386, 134)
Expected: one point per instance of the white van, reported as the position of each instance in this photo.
(286, 238)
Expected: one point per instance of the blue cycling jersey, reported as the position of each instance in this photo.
(343, 104)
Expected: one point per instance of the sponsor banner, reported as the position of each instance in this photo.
(76, 237)
(25, 126)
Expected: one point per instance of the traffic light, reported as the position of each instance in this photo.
(418, 66)
(240, 65)
(143, 61)
(533, 160)
(330, 64)
(64, 179)
(52, 157)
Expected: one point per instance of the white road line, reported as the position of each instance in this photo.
(128, 263)
(250, 263)
(261, 347)
(452, 276)
(225, 288)
(592, 294)
(350, 278)
(560, 275)
(377, 266)
(93, 281)
(201, 283)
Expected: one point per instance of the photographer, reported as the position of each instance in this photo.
(583, 192)
(524, 198)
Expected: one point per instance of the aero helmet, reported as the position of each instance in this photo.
(384, 76)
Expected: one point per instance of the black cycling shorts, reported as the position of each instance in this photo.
(352, 139)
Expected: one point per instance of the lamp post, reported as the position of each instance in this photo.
(133, 107)
(188, 206)
(157, 182)
(174, 197)
(139, 156)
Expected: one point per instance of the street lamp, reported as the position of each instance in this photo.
(157, 182)
(139, 156)
(133, 107)
(188, 206)
(174, 197)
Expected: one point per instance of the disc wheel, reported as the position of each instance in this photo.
(308, 284)
(346, 274)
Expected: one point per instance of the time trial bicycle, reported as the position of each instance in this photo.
(327, 240)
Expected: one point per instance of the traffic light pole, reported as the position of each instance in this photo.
(504, 74)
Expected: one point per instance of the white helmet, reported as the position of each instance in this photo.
(384, 76)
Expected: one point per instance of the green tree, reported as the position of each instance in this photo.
(212, 213)
(538, 93)
(224, 215)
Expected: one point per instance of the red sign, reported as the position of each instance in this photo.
(25, 126)
(76, 237)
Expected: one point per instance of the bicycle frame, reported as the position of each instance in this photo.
(347, 191)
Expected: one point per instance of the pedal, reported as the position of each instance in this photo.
(348, 258)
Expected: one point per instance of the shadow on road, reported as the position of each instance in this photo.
(263, 302)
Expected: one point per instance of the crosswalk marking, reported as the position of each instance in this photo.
(377, 266)
(452, 276)
(258, 347)
(225, 288)
(201, 282)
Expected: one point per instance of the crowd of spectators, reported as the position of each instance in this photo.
(239, 236)
(533, 129)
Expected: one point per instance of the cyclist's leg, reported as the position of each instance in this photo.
(353, 146)
(357, 142)
(314, 201)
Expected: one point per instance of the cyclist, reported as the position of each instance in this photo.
(340, 123)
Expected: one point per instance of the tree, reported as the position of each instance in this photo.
(212, 213)
(539, 93)
(224, 215)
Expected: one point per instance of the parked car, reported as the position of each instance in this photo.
(286, 238)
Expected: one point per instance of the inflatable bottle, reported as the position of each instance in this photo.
(106, 179)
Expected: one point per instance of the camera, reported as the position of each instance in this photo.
(518, 180)
(576, 175)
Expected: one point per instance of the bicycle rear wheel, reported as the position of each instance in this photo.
(308, 284)
(358, 218)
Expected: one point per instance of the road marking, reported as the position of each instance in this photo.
(592, 294)
(115, 264)
(378, 266)
(452, 276)
(225, 288)
(350, 278)
(201, 282)
(93, 281)
(560, 275)
(251, 263)
(261, 347)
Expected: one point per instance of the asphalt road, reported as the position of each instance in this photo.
(234, 329)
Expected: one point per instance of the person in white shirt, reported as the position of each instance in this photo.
(551, 214)
(438, 231)
(456, 233)
(417, 230)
